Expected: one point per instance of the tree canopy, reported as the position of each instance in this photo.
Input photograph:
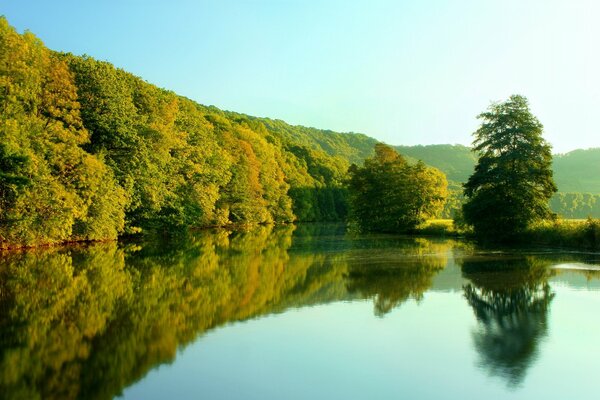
(512, 182)
(89, 151)
(388, 194)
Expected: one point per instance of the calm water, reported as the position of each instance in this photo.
(299, 313)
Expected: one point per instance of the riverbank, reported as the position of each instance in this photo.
(565, 233)
(561, 233)
(440, 227)
(581, 234)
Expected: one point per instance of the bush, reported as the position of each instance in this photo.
(584, 234)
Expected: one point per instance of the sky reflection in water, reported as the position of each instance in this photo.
(305, 312)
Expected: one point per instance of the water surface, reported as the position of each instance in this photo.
(297, 313)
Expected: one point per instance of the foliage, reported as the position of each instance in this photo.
(453, 206)
(387, 194)
(51, 189)
(579, 234)
(512, 182)
(440, 227)
(350, 147)
(89, 151)
(576, 205)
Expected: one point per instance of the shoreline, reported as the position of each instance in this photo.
(564, 234)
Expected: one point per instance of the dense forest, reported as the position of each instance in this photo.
(90, 152)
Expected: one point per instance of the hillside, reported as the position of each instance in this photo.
(572, 171)
(353, 147)
(577, 171)
(89, 151)
(456, 161)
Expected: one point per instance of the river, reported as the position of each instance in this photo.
(298, 312)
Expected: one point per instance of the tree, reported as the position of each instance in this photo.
(512, 182)
(51, 189)
(389, 195)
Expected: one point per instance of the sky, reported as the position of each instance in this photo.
(404, 72)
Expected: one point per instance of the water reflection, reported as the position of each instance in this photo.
(53, 305)
(86, 322)
(510, 299)
(403, 272)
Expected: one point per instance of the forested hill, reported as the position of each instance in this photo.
(89, 151)
(353, 147)
(456, 161)
(574, 171)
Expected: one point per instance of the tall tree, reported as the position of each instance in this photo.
(512, 182)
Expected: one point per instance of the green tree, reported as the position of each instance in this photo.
(512, 182)
(51, 189)
(389, 195)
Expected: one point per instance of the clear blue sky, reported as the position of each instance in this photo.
(405, 72)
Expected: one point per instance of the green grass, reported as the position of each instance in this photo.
(439, 227)
(583, 234)
(571, 233)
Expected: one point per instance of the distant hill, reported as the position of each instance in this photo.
(456, 161)
(578, 171)
(353, 147)
(575, 171)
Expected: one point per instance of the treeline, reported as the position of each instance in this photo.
(576, 205)
(89, 151)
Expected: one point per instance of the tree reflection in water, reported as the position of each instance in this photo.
(393, 277)
(510, 299)
(86, 322)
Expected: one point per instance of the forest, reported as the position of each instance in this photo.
(91, 152)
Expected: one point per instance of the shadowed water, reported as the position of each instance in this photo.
(297, 312)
